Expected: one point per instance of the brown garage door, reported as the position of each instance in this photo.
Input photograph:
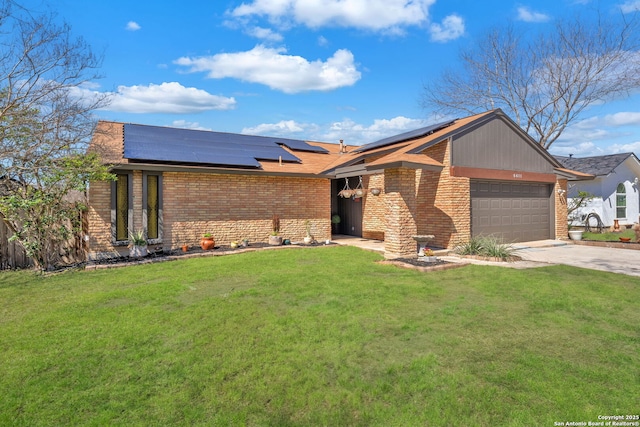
(513, 211)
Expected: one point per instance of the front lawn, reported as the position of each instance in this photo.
(610, 236)
(320, 336)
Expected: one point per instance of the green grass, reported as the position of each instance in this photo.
(320, 336)
(610, 236)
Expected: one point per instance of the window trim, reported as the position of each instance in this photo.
(114, 236)
(145, 219)
(618, 206)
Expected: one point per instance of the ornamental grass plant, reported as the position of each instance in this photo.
(486, 246)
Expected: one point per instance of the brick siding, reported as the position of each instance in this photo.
(374, 208)
(231, 207)
(562, 223)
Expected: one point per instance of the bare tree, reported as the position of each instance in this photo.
(543, 81)
(45, 125)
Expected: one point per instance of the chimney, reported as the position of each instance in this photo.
(570, 155)
(343, 148)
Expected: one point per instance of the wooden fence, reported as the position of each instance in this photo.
(13, 255)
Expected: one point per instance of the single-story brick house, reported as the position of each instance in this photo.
(461, 178)
(614, 187)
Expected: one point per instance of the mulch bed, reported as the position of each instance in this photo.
(193, 252)
(416, 264)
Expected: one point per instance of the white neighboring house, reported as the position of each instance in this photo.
(615, 187)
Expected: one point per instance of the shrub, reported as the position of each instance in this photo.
(489, 246)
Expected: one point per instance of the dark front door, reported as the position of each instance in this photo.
(350, 209)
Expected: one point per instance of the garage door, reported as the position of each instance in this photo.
(513, 211)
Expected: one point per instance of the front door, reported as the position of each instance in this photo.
(349, 209)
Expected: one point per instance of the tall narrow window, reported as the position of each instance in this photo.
(153, 206)
(122, 207)
(621, 201)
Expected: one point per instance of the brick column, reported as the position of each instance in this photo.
(562, 224)
(400, 210)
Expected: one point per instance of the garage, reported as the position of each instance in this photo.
(512, 211)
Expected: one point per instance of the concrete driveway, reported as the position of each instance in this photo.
(623, 261)
(541, 253)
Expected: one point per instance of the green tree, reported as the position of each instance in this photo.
(45, 126)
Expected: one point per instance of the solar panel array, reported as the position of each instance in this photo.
(163, 144)
(404, 136)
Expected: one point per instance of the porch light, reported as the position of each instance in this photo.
(375, 191)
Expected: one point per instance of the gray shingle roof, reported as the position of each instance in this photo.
(597, 165)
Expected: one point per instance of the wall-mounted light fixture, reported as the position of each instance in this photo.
(561, 191)
(375, 191)
(635, 181)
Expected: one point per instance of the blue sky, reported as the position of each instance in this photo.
(320, 70)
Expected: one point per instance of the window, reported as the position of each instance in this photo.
(152, 195)
(121, 207)
(621, 201)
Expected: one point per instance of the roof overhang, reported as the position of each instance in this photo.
(211, 170)
(380, 167)
(572, 175)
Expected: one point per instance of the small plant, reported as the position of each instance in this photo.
(335, 219)
(429, 252)
(137, 238)
(489, 246)
(307, 225)
(207, 235)
(472, 247)
(493, 247)
(275, 225)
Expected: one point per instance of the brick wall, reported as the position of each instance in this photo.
(374, 208)
(562, 224)
(99, 219)
(444, 202)
(418, 202)
(401, 204)
(231, 207)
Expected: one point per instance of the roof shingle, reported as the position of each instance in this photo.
(596, 165)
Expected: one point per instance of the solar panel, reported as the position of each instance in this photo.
(154, 143)
(298, 145)
(404, 136)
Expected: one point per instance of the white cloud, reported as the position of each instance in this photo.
(133, 26)
(371, 14)
(184, 124)
(451, 28)
(358, 134)
(622, 119)
(322, 41)
(527, 15)
(633, 147)
(282, 128)
(264, 34)
(630, 6)
(165, 98)
(271, 67)
(351, 132)
(584, 149)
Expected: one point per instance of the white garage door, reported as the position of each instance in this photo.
(512, 211)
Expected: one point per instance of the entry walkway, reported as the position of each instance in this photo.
(368, 244)
(539, 254)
